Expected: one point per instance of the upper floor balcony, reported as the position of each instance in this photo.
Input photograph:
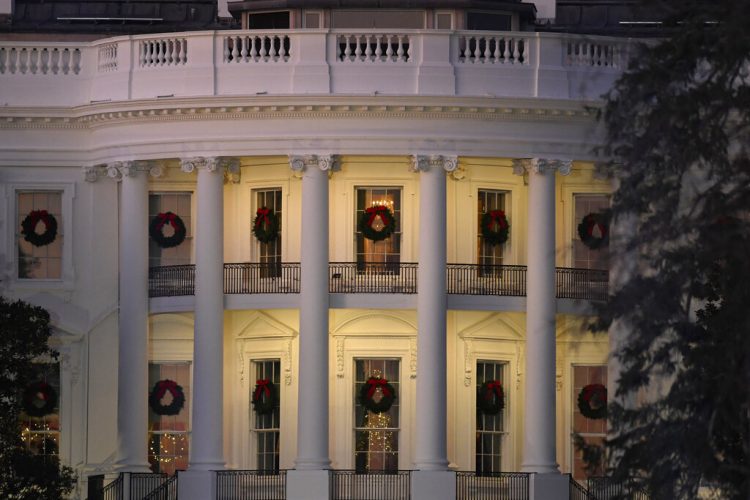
(380, 278)
(308, 62)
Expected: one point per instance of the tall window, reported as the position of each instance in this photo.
(44, 261)
(267, 426)
(487, 253)
(40, 417)
(269, 253)
(376, 434)
(169, 435)
(490, 428)
(179, 204)
(593, 431)
(584, 257)
(389, 249)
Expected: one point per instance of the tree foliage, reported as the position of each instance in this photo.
(24, 332)
(678, 130)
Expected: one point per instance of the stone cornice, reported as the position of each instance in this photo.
(294, 107)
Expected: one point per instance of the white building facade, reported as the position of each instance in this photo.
(314, 127)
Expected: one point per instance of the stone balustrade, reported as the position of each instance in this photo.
(324, 62)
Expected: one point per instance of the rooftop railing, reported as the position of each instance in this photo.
(284, 62)
(396, 277)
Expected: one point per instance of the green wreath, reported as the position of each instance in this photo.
(592, 401)
(495, 227)
(29, 228)
(264, 397)
(365, 225)
(490, 397)
(586, 230)
(368, 391)
(157, 225)
(158, 392)
(39, 399)
(266, 225)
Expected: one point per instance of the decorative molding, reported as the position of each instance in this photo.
(119, 169)
(340, 341)
(468, 363)
(327, 163)
(413, 357)
(287, 358)
(227, 165)
(559, 380)
(419, 163)
(86, 117)
(522, 166)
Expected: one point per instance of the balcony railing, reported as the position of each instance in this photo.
(362, 61)
(492, 486)
(251, 484)
(399, 277)
(371, 485)
(372, 277)
(142, 484)
(605, 488)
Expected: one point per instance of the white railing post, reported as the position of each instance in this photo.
(311, 73)
(435, 72)
(551, 77)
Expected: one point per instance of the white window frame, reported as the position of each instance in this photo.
(67, 276)
(444, 12)
(505, 433)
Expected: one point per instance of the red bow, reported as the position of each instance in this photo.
(493, 387)
(597, 391)
(374, 383)
(497, 217)
(166, 218)
(262, 385)
(380, 210)
(164, 386)
(38, 215)
(262, 216)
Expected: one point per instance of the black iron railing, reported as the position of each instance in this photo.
(605, 488)
(143, 483)
(372, 277)
(165, 491)
(114, 490)
(95, 487)
(475, 279)
(492, 486)
(171, 281)
(398, 277)
(578, 492)
(583, 284)
(251, 485)
(262, 277)
(371, 485)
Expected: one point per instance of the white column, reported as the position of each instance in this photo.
(431, 398)
(539, 409)
(132, 367)
(207, 446)
(312, 402)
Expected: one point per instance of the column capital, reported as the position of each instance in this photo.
(523, 166)
(326, 163)
(422, 163)
(210, 164)
(118, 169)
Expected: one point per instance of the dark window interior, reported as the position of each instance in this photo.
(269, 21)
(484, 21)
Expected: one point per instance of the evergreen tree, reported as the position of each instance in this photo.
(678, 130)
(24, 332)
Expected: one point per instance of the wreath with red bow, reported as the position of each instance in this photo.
(369, 390)
(39, 399)
(490, 397)
(366, 221)
(594, 222)
(264, 397)
(156, 227)
(266, 225)
(161, 388)
(495, 227)
(29, 228)
(592, 401)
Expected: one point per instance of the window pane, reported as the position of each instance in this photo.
(487, 253)
(45, 261)
(179, 204)
(593, 431)
(389, 249)
(169, 435)
(583, 256)
(40, 431)
(267, 427)
(376, 434)
(489, 428)
(270, 252)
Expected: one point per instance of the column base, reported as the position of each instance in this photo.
(307, 485)
(551, 486)
(196, 485)
(433, 485)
